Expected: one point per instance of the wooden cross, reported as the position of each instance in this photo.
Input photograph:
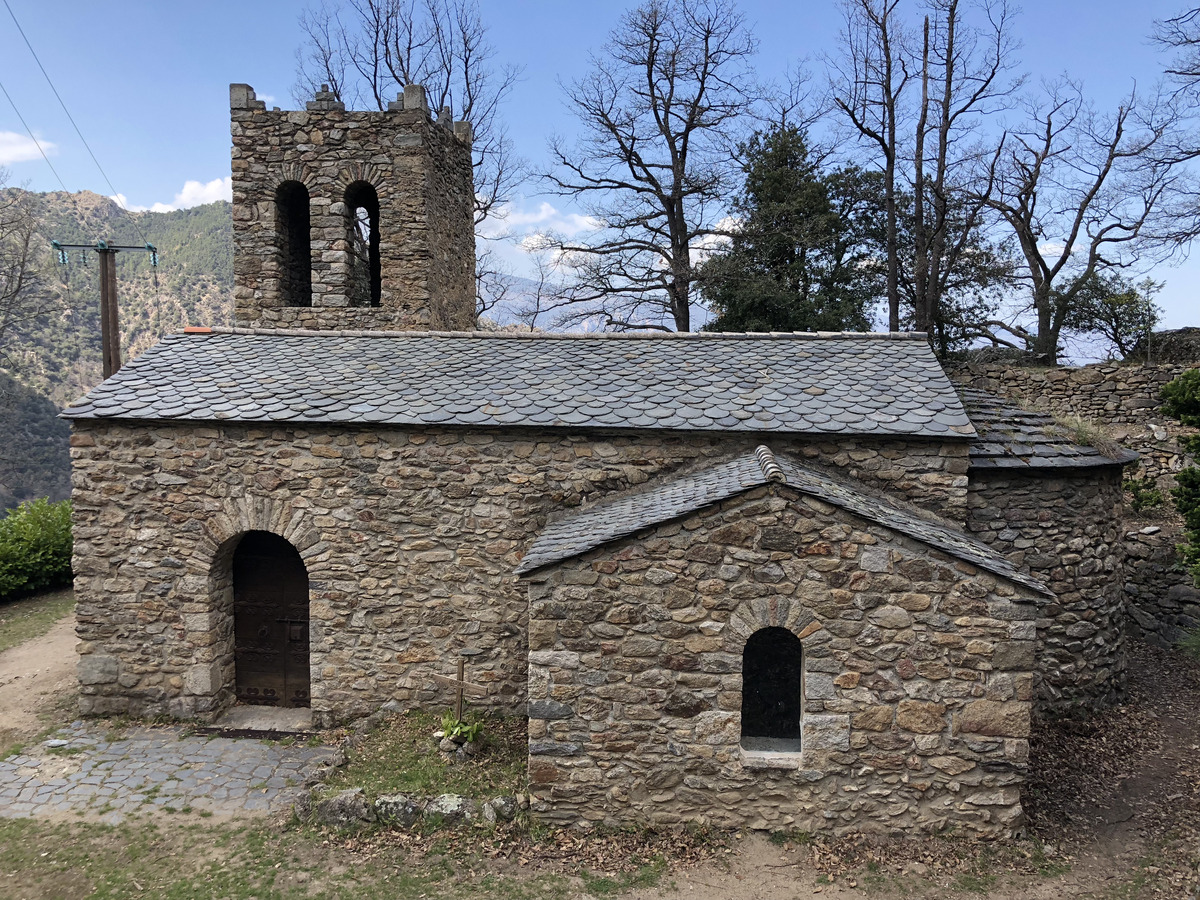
(461, 685)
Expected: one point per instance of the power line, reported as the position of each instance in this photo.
(116, 196)
(36, 142)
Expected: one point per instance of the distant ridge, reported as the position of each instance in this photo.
(58, 357)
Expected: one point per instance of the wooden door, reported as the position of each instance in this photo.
(270, 615)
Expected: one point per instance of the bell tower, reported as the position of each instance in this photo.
(358, 221)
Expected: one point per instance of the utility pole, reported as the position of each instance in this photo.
(110, 324)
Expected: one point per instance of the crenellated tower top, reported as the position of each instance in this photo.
(352, 220)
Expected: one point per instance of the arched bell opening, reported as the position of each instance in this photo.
(270, 622)
(362, 237)
(293, 231)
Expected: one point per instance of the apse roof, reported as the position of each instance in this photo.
(1015, 438)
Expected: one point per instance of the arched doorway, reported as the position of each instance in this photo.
(772, 690)
(270, 621)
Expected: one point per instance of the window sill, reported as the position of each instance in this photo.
(771, 759)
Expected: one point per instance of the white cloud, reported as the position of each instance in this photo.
(15, 148)
(1051, 249)
(194, 193)
(542, 219)
(704, 247)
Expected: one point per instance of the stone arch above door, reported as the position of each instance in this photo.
(237, 515)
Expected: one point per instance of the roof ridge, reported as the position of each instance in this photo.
(572, 335)
(770, 467)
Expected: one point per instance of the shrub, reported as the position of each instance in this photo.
(1181, 400)
(35, 547)
(1143, 494)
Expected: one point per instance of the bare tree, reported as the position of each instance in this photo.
(868, 83)
(1084, 193)
(963, 74)
(22, 297)
(367, 50)
(1182, 34)
(661, 111)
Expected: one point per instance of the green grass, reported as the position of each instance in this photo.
(176, 860)
(399, 757)
(1190, 643)
(31, 617)
(975, 883)
(648, 875)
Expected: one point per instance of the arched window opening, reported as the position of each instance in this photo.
(362, 226)
(270, 622)
(772, 690)
(294, 234)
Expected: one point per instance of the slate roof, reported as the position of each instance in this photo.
(612, 519)
(1015, 438)
(784, 383)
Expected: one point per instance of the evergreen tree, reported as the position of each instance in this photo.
(807, 255)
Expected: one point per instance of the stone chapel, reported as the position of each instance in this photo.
(760, 580)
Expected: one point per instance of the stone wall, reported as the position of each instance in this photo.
(1064, 527)
(421, 172)
(1125, 399)
(1162, 601)
(410, 539)
(918, 677)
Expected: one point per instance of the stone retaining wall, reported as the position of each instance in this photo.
(1125, 399)
(1162, 601)
(918, 680)
(410, 539)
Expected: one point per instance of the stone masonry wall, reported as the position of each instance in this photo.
(421, 171)
(1125, 399)
(1064, 529)
(410, 539)
(1162, 602)
(918, 680)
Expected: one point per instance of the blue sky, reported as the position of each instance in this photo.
(147, 82)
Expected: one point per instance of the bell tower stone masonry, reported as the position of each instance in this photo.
(347, 220)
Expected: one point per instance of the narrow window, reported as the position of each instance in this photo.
(362, 226)
(772, 685)
(295, 244)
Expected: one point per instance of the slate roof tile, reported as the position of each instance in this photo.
(782, 383)
(624, 515)
(1015, 438)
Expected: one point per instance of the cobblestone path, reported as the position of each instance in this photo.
(147, 769)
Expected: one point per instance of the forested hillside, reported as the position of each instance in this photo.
(58, 356)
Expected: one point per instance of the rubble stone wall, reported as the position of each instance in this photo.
(1065, 529)
(410, 539)
(1161, 599)
(918, 681)
(421, 171)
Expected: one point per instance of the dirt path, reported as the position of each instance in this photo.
(37, 680)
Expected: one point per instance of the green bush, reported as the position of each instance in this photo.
(1181, 400)
(1143, 494)
(35, 547)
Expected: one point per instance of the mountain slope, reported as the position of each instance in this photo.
(58, 356)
